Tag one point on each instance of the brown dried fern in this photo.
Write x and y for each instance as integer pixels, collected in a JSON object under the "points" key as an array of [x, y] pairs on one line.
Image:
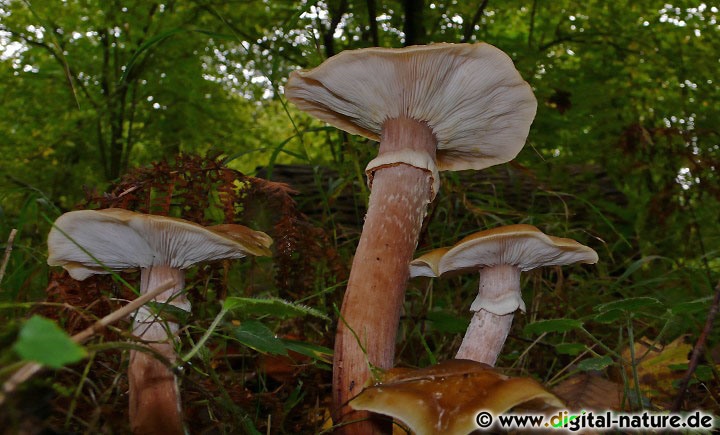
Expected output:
{"points": [[205, 191]]}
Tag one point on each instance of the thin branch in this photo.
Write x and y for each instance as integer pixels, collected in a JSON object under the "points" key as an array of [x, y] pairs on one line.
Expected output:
{"points": [[372, 14], [532, 23], [329, 36], [241, 34], [8, 250], [598, 38], [70, 76], [30, 368], [413, 23], [697, 351], [470, 27], [58, 50]]}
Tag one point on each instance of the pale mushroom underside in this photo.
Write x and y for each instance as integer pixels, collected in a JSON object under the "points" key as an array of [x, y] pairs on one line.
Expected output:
{"points": [[88, 242], [522, 246], [472, 97]]}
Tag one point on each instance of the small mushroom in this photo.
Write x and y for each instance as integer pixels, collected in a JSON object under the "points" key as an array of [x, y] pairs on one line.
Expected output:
{"points": [[446, 398], [500, 255], [437, 107], [89, 242]]}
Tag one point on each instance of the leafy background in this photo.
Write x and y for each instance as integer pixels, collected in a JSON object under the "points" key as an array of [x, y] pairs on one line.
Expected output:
{"points": [[181, 104]]}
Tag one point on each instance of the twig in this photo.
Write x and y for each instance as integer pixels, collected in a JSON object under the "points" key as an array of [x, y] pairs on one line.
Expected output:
{"points": [[8, 250], [116, 315], [470, 27], [30, 368], [697, 351]]}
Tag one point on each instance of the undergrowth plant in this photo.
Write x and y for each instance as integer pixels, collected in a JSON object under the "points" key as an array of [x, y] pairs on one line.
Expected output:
{"points": [[622, 157]]}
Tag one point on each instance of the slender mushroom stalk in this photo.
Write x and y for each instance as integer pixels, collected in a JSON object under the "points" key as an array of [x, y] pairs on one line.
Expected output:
{"points": [[500, 255], [89, 242], [439, 107], [154, 394], [488, 331], [399, 198]]}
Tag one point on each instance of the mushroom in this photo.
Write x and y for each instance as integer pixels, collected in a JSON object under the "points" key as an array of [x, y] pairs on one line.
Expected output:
{"points": [[500, 254], [89, 242], [446, 398], [437, 107]]}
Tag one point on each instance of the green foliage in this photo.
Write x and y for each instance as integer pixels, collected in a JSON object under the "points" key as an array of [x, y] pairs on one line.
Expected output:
{"points": [[270, 306], [554, 325], [41, 340], [623, 156], [598, 363], [259, 337]]}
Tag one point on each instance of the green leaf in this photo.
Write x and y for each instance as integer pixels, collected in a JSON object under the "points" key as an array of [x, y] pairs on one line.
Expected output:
{"points": [[271, 306], [598, 363], [157, 39], [294, 398], [310, 350], [552, 325], [678, 367], [443, 321], [610, 316], [629, 305], [169, 312], [704, 373], [637, 265], [691, 307], [259, 337], [570, 348], [43, 341]]}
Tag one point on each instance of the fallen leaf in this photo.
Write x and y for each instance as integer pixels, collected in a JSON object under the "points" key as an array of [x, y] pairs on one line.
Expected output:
{"points": [[588, 392]]}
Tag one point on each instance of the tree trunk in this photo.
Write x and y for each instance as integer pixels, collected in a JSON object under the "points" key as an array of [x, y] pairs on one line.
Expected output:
{"points": [[413, 26]]}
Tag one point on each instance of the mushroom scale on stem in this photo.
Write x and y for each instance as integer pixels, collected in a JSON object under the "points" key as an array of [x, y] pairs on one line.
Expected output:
{"points": [[437, 107], [88, 242]]}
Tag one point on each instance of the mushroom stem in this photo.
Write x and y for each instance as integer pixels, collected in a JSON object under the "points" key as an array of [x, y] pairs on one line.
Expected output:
{"points": [[376, 288], [498, 299], [485, 337], [154, 394]]}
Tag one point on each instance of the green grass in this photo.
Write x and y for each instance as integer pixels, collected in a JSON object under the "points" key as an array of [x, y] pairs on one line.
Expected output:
{"points": [[267, 368]]}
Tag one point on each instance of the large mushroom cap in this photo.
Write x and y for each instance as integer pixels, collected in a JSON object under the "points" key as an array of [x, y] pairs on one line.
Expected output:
{"points": [[471, 96], [522, 246], [446, 398], [88, 242]]}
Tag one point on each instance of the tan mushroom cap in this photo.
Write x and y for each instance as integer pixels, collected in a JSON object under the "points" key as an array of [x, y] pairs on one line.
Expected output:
{"points": [[427, 264], [471, 96], [522, 246], [446, 398], [88, 242]]}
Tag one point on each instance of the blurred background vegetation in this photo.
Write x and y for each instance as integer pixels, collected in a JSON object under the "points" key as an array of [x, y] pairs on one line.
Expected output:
{"points": [[624, 156]]}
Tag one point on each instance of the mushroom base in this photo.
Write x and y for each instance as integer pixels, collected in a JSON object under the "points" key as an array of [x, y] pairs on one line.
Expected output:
{"points": [[485, 337], [154, 394]]}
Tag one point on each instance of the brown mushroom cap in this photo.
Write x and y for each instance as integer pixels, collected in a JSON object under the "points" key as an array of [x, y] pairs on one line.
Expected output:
{"points": [[470, 95], [522, 246], [87, 242], [447, 397], [427, 264]]}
